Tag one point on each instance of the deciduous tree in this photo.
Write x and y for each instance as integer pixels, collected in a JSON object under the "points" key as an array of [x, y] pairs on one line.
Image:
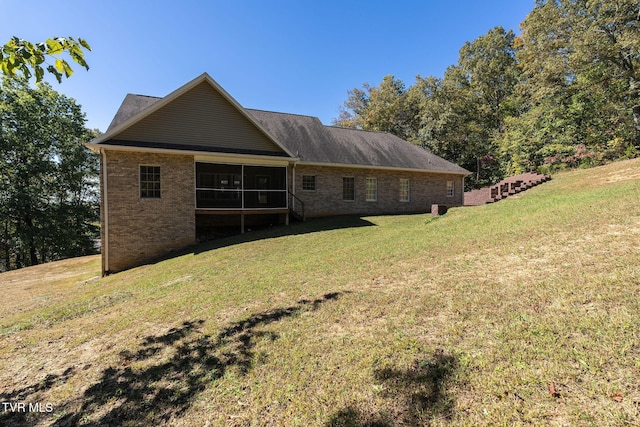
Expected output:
{"points": [[383, 108], [565, 92], [19, 56], [48, 178], [579, 95]]}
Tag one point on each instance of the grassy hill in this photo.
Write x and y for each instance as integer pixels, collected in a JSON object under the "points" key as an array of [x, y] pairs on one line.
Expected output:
{"points": [[524, 311]]}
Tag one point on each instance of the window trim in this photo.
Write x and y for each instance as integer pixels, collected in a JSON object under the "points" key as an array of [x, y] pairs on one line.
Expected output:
{"points": [[140, 189], [353, 188], [407, 198], [315, 183], [375, 189]]}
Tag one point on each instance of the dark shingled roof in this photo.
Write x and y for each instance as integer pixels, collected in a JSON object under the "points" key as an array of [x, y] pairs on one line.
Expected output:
{"points": [[131, 106], [312, 142]]}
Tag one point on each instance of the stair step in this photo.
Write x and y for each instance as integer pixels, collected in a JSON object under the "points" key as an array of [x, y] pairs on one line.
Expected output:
{"points": [[503, 189]]}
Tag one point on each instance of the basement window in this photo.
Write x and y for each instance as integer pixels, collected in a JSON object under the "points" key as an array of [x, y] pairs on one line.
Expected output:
{"points": [[149, 182]]}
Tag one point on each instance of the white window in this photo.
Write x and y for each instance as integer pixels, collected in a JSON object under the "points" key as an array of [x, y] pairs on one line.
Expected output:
{"points": [[405, 190], [372, 189], [308, 183], [150, 182], [451, 189]]}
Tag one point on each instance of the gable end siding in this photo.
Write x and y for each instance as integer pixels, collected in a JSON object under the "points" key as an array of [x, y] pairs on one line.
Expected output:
{"points": [[200, 117]]}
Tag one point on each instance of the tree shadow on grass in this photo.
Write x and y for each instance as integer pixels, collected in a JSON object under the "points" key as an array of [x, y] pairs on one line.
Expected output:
{"points": [[419, 394], [159, 381], [27, 395]]}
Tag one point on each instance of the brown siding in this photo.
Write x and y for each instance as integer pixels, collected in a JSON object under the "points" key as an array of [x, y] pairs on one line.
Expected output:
{"points": [[143, 229], [200, 117], [425, 189]]}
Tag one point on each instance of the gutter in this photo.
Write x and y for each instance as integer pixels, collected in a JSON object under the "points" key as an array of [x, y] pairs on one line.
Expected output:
{"points": [[389, 168], [240, 157]]}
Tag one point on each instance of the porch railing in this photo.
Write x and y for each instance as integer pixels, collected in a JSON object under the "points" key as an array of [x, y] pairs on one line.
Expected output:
{"points": [[207, 198], [296, 206]]}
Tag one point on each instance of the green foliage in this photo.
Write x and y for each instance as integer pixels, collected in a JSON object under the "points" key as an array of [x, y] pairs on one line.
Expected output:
{"points": [[384, 108], [48, 179], [579, 62], [20, 56], [454, 117], [564, 93]]}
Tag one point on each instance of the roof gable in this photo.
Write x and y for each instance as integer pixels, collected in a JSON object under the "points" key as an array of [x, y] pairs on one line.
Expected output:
{"points": [[200, 116]]}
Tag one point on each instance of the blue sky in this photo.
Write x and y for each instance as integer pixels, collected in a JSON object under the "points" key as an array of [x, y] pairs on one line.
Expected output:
{"points": [[291, 56]]}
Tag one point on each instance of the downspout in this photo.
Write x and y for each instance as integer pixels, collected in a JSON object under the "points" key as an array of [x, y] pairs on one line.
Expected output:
{"points": [[105, 214], [293, 187]]}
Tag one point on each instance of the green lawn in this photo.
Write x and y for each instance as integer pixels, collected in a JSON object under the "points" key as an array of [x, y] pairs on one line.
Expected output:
{"points": [[521, 312]]}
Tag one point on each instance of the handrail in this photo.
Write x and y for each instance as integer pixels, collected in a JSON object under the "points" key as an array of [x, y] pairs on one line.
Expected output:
{"points": [[294, 206]]}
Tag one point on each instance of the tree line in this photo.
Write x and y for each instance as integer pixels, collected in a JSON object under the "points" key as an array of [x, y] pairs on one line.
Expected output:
{"points": [[565, 92], [49, 201]]}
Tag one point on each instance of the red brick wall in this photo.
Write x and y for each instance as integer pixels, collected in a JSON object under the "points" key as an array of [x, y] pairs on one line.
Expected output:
{"points": [[425, 189], [139, 229]]}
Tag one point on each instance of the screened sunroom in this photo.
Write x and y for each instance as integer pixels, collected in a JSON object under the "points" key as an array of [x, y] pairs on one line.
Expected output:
{"points": [[221, 186], [231, 197]]}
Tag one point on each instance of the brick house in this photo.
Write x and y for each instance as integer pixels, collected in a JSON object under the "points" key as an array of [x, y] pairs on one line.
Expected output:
{"points": [[195, 164]]}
